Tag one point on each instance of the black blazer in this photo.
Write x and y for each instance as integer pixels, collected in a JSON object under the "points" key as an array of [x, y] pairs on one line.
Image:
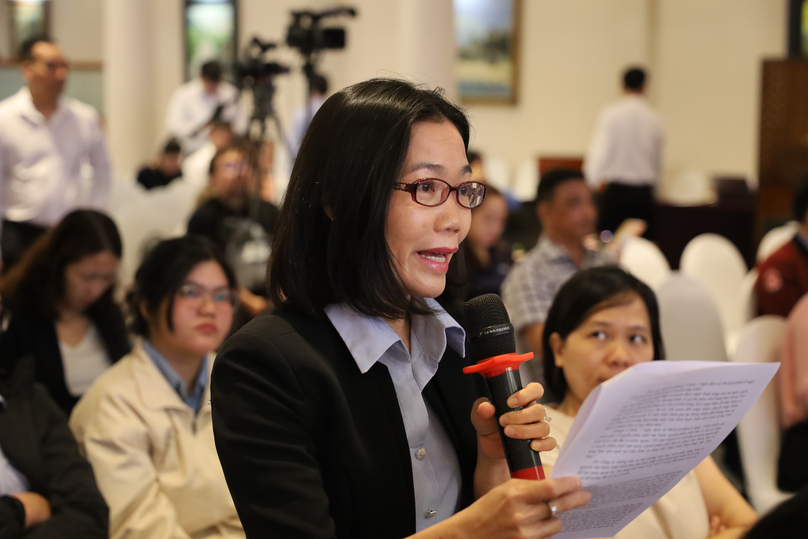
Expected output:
{"points": [[36, 440], [313, 448], [31, 334]]}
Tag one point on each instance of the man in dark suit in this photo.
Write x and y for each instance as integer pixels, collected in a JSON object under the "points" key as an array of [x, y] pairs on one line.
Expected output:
{"points": [[47, 489]]}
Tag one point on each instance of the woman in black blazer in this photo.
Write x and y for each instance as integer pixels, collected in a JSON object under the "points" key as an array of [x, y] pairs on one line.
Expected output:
{"points": [[61, 298], [344, 411]]}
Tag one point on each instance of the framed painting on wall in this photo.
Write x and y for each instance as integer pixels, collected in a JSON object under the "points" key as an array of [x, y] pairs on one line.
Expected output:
{"points": [[28, 19], [211, 33], [487, 35]]}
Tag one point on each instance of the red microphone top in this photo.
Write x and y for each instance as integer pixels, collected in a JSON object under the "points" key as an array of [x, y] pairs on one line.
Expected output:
{"points": [[497, 365]]}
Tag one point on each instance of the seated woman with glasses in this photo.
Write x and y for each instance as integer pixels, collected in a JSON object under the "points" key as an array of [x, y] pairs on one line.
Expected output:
{"points": [[488, 258], [344, 411], [603, 321], [145, 424], [65, 316], [239, 222]]}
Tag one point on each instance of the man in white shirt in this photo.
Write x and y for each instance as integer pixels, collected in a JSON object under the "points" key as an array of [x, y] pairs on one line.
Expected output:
{"points": [[196, 104], [624, 160], [48, 145]]}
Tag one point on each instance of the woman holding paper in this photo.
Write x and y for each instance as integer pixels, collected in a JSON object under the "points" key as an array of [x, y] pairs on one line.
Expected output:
{"points": [[603, 321], [344, 412]]}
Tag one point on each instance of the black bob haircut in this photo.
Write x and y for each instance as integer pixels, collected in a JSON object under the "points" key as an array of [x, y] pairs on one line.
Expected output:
{"points": [[800, 202], [634, 79], [211, 71], [27, 47], [352, 153], [163, 272], [586, 293], [552, 179]]}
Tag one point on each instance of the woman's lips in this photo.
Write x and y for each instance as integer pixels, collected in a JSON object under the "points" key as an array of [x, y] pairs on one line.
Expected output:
{"points": [[207, 329], [436, 260]]}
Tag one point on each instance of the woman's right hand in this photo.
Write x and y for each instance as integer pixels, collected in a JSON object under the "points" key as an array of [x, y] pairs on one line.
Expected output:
{"points": [[518, 509]]}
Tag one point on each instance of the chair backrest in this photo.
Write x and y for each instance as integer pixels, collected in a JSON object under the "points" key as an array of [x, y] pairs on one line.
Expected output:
{"points": [[759, 431], [688, 187], [497, 172], [690, 323], [644, 260], [153, 216], [715, 262], [525, 181], [748, 310], [776, 238]]}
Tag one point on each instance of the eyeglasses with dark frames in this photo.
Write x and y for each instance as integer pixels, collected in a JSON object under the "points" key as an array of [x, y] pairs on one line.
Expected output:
{"points": [[434, 192]]}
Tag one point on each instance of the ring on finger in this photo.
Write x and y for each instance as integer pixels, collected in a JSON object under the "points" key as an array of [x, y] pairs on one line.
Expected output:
{"points": [[553, 508]]}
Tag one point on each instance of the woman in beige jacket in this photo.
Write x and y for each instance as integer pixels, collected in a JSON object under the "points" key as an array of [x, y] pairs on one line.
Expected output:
{"points": [[145, 424]]}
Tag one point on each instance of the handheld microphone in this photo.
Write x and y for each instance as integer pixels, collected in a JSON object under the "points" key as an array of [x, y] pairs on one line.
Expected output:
{"points": [[491, 332]]}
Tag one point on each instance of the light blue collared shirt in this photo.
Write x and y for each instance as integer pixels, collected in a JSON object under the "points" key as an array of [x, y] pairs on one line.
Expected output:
{"points": [[193, 399], [11, 480], [435, 469]]}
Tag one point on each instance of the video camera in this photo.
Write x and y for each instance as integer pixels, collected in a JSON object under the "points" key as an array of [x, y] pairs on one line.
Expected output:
{"points": [[252, 69], [306, 35]]}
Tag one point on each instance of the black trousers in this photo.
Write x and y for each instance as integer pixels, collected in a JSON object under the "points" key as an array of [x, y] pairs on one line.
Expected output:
{"points": [[16, 239], [792, 468], [620, 202]]}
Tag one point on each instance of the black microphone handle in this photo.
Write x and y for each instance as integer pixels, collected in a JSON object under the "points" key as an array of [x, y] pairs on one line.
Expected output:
{"points": [[518, 453]]}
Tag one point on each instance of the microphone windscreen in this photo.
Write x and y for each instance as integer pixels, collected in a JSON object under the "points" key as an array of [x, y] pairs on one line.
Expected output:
{"points": [[489, 326]]}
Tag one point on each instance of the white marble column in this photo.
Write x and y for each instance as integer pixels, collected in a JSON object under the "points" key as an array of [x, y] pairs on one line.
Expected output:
{"points": [[426, 42], [127, 85]]}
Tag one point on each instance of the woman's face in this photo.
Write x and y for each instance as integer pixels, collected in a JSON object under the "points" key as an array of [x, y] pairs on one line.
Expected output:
{"points": [[607, 343], [202, 313], [88, 278], [488, 221], [423, 239]]}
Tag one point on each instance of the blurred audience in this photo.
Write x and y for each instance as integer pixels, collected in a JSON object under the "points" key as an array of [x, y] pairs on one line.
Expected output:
{"points": [[145, 424], [783, 277], [164, 169], [239, 222], [487, 257], [266, 162], [201, 102], [624, 159], [793, 382], [46, 488], [603, 321], [196, 167], [567, 213], [65, 315], [46, 141], [301, 118]]}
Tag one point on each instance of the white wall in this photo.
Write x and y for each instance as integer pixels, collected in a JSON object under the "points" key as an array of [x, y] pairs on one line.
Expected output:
{"points": [[572, 53], [707, 80], [704, 59], [77, 26]]}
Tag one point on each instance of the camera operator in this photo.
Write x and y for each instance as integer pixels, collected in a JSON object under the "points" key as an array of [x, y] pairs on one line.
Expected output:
{"points": [[198, 103], [239, 222]]}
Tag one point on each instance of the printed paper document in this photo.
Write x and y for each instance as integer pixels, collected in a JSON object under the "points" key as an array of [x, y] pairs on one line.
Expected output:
{"points": [[638, 434]]}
